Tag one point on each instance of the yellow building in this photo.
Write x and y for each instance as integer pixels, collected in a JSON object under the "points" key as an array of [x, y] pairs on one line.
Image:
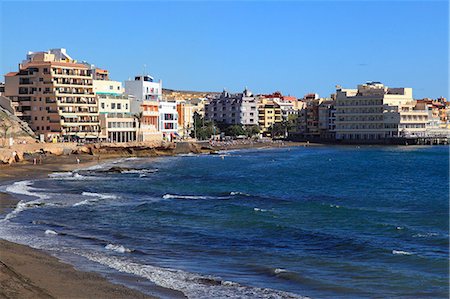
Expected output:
{"points": [[269, 113], [55, 95]]}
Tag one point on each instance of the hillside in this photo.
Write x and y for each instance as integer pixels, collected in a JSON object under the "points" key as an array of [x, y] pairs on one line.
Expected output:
{"points": [[172, 94]]}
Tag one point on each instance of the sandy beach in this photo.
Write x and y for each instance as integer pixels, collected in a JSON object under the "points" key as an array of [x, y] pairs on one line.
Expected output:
{"points": [[30, 273]]}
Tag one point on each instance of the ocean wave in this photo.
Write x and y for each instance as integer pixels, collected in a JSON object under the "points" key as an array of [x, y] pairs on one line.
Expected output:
{"points": [[118, 248], [60, 174], [139, 171], [84, 202], [259, 210], [100, 195], [237, 193], [51, 232], [24, 188], [191, 284], [401, 252], [425, 235], [279, 270], [71, 176], [193, 197]]}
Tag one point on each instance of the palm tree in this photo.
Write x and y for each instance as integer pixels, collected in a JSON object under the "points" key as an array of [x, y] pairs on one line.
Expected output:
{"points": [[138, 118]]}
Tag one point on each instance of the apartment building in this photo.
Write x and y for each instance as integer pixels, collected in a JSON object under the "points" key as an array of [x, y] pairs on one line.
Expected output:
{"points": [[327, 119], [145, 95], [54, 95], [230, 109], [376, 112], [308, 116], [168, 120], [269, 113], [117, 124], [186, 110]]}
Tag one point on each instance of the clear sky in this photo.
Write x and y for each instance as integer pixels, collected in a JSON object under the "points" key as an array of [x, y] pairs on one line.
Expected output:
{"points": [[295, 47]]}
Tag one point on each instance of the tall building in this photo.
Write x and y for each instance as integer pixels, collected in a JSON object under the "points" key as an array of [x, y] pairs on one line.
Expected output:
{"points": [[327, 119], [168, 120], [116, 121], [240, 108], [376, 112], [145, 96], [269, 113], [54, 94]]}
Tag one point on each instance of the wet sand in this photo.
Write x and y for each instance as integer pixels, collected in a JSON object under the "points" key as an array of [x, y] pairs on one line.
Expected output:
{"points": [[30, 273]]}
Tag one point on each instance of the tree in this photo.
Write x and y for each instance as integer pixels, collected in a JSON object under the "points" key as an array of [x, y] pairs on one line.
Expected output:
{"points": [[235, 130], [138, 118], [251, 131], [203, 129]]}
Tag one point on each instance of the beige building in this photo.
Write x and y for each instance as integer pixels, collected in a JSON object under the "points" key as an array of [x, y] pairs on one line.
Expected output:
{"points": [[376, 112], [116, 121], [55, 95]]}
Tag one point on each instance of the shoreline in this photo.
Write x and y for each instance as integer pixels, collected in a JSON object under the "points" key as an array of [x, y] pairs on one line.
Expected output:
{"points": [[21, 266]]}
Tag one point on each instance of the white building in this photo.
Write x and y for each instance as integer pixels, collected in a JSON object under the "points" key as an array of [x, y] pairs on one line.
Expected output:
{"points": [[376, 112], [116, 121], [168, 119], [143, 88]]}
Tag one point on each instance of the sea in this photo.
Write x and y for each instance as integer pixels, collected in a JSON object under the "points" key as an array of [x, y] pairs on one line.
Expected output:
{"points": [[294, 222]]}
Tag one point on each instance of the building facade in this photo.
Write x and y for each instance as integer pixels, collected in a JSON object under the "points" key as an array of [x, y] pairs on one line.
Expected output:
{"points": [[233, 109], [168, 120], [269, 113], [375, 112], [54, 95]]}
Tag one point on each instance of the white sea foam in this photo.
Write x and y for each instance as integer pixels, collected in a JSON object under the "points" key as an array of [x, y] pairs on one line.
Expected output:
{"points": [[139, 171], [279, 270], [24, 188], [60, 174], [334, 206], [401, 252], [84, 202], [192, 197], [99, 195], [191, 284], [234, 193], [50, 232], [117, 248], [259, 210], [425, 235]]}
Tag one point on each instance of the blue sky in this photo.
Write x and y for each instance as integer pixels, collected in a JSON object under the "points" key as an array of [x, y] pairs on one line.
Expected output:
{"points": [[296, 47]]}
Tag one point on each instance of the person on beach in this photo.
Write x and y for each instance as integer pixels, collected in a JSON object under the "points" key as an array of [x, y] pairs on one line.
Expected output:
{"points": [[78, 160]]}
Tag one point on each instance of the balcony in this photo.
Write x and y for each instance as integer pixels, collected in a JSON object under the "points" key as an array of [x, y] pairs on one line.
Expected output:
{"points": [[150, 113]]}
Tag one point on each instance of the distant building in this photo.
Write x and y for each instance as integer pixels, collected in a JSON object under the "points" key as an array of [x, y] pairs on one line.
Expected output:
{"points": [[168, 120], [308, 116], [376, 112], [327, 119], [54, 95], [233, 109], [145, 96], [269, 113], [116, 121]]}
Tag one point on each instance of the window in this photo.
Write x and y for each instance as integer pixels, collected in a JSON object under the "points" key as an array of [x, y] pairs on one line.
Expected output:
{"points": [[119, 106], [41, 79], [102, 105], [111, 87], [113, 105], [35, 118]]}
